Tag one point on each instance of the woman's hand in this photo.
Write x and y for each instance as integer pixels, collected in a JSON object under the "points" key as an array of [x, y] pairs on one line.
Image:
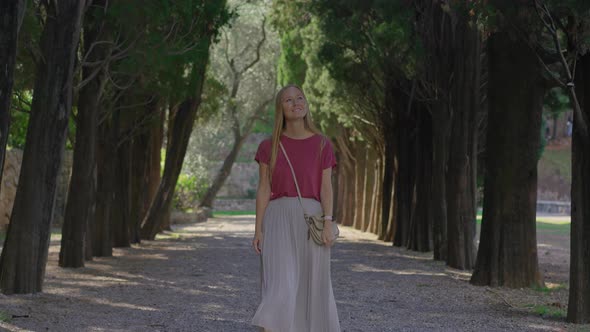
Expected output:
{"points": [[257, 242], [328, 233]]}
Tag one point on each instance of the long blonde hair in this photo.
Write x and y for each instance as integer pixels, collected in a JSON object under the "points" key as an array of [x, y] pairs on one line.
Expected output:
{"points": [[280, 124]]}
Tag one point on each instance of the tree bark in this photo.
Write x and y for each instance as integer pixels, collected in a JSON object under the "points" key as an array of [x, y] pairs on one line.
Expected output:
{"points": [[145, 169], [440, 143], [461, 170], [176, 150], [120, 213], [368, 187], [22, 265], [404, 173], [102, 245], [10, 19], [579, 290], [375, 225], [359, 183], [508, 246], [420, 230], [387, 187], [80, 208], [345, 173]]}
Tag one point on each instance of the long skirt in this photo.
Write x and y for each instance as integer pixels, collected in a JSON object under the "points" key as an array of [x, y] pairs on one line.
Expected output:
{"points": [[295, 275]]}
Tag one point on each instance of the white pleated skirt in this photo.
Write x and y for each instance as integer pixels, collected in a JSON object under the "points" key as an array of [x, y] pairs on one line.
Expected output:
{"points": [[296, 286]]}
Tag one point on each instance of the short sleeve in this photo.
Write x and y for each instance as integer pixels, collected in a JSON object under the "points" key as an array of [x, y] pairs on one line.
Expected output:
{"points": [[328, 157], [263, 153]]}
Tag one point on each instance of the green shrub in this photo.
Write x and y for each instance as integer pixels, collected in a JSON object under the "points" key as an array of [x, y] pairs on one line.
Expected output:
{"points": [[189, 191]]}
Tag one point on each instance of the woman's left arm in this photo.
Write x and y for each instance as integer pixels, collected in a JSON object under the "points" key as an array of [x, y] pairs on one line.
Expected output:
{"points": [[327, 201]]}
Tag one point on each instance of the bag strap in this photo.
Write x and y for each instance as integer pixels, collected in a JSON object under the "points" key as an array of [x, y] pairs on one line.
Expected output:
{"points": [[294, 177]]}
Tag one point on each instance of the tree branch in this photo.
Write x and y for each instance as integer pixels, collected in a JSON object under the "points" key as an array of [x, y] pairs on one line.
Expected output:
{"points": [[258, 47], [547, 20]]}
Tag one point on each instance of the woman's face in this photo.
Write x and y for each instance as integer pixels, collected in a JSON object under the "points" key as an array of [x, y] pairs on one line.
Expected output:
{"points": [[294, 104]]}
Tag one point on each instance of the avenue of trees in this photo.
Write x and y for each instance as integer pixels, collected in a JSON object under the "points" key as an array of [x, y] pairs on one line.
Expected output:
{"points": [[110, 76], [422, 99]]}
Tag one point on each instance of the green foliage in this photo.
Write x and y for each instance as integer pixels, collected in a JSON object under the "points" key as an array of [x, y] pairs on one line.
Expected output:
{"points": [[189, 190], [550, 311], [169, 38], [19, 122], [213, 93], [265, 127], [5, 317], [347, 47], [557, 101], [291, 66], [543, 140]]}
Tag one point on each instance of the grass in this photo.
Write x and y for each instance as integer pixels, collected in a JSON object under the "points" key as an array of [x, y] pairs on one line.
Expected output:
{"points": [[550, 311], [559, 159], [231, 213], [560, 225], [5, 317]]}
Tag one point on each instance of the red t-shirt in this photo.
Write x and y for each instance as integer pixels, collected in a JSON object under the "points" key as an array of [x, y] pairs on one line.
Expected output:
{"points": [[308, 160]]}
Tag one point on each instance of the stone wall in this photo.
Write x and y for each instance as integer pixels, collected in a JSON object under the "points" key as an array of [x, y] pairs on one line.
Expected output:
{"points": [[10, 181], [237, 204], [239, 191], [242, 181]]}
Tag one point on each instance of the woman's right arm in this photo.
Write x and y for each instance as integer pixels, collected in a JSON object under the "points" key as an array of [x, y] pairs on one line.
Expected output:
{"points": [[262, 199]]}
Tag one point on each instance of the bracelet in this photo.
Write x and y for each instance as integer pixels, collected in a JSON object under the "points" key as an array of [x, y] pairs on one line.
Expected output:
{"points": [[328, 218]]}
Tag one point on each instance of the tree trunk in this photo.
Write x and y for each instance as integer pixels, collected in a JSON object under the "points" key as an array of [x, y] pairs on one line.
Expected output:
{"points": [[167, 220], [89, 236], [145, 169], [375, 225], [508, 246], [359, 183], [224, 172], [344, 172], [154, 172], [80, 208], [579, 292], [22, 265], [101, 241], [175, 152], [440, 143], [368, 187], [404, 177], [120, 213], [460, 194], [387, 187], [10, 19], [390, 234], [420, 237]]}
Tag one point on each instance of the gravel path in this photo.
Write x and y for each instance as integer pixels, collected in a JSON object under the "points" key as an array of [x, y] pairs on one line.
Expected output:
{"points": [[204, 277]]}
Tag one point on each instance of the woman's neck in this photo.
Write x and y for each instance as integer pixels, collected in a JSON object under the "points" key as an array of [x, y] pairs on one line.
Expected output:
{"points": [[296, 129]]}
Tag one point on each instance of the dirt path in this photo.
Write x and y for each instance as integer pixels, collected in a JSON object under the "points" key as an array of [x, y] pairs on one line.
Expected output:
{"points": [[204, 277]]}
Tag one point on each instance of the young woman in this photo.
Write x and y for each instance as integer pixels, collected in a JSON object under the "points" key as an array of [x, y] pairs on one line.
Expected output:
{"points": [[295, 275]]}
